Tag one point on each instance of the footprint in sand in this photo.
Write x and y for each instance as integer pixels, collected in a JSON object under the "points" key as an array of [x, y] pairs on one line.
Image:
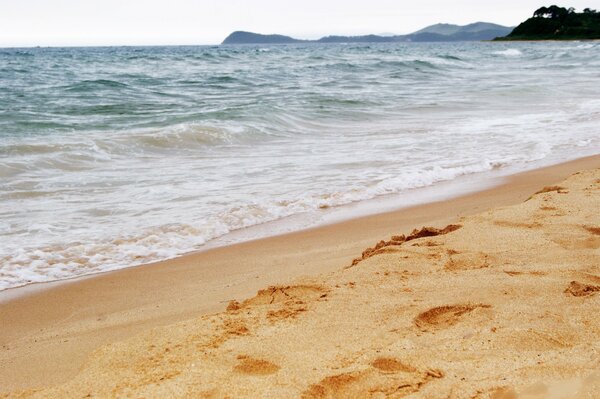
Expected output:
{"points": [[444, 316], [580, 289], [386, 377], [575, 241], [391, 365], [281, 294], [255, 367], [282, 302], [466, 261]]}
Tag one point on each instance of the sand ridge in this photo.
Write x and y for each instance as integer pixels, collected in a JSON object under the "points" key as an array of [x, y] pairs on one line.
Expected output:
{"points": [[504, 306]]}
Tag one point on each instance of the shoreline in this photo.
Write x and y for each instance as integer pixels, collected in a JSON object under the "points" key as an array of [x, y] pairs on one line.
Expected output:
{"points": [[51, 332], [436, 192]]}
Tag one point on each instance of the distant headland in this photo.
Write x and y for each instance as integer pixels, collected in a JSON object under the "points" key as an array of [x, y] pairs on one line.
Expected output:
{"points": [[435, 33], [558, 23]]}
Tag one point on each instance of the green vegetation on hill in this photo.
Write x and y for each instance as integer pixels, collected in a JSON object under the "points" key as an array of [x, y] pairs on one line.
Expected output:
{"points": [[558, 23]]}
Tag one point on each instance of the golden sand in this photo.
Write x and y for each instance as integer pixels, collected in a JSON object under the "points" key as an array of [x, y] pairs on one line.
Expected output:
{"points": [[503, 304]]}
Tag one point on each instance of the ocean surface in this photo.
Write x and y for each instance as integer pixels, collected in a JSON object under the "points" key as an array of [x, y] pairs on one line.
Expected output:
{"points": [[116, 156]]}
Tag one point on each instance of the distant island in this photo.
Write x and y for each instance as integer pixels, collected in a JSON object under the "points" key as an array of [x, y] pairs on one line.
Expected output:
{"points": [[435, 33], [558, 23]]}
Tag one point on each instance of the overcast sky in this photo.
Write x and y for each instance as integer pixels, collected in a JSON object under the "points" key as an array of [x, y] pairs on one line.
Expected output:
{"points": [[146, 22]]}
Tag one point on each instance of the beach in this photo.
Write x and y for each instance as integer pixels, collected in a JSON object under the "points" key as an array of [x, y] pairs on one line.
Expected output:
{"points": [[502, 302], [322, 211]]}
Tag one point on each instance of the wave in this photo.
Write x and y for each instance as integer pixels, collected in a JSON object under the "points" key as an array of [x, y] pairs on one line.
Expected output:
{"points": [[586, 46], [450, 57], [92, 85], [18, 70], [343, 102], [39, 125], [408, 64], [222, 79], [511, 52], [72, 151], [184, 136], [21, 53]]}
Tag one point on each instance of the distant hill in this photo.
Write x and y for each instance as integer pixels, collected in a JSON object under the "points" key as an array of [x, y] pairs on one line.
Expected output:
{"points": [[453, 33], [440, 29], [357, 39], [434, 33], [241, 37], [558, 23], [449, 29]]}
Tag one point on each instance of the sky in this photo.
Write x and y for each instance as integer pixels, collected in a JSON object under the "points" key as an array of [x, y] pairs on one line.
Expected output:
{"points": [[160, 22]]}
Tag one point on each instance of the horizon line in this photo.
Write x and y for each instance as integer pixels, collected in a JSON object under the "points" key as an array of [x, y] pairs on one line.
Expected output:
{"points": [[316, 37]]}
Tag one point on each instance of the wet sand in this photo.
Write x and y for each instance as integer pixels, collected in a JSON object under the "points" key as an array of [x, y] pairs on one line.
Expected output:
{"points": [[48, 335]]}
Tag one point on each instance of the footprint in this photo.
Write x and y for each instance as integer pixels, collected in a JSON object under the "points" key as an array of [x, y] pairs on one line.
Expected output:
{"points": [[333, 386], [256, 367], [391, 365], [574, 241], [466, 261], [387, 377], [580, 289], [444, 316], [281, 302], [280, 294]]}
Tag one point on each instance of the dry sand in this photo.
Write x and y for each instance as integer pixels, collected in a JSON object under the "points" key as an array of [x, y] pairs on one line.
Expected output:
{"points": [[505, 304]]}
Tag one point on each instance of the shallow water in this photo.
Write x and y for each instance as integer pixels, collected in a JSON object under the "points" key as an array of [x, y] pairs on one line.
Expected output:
{"points": [[117, 156]]}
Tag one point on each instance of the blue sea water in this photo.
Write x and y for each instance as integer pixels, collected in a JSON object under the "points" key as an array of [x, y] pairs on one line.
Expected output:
{"points": [[116, 156]]}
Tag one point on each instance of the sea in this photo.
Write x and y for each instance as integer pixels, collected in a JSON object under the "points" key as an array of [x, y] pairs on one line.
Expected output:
{"points": [[117, 156]]}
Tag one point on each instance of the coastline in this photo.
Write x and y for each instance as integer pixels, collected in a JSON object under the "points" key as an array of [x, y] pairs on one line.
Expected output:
{"points": [[437, 192], [62, 324]]}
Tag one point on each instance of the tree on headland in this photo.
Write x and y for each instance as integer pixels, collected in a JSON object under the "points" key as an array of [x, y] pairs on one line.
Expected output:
{"points": [[558, 23], [553, 12]]}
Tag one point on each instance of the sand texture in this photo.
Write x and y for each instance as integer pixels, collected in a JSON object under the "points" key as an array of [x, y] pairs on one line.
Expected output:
{"points": [[504, 304]]}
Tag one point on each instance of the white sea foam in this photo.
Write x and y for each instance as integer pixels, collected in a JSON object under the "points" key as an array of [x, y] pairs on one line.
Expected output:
{"points": [[511, 52], [585, 46]]}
